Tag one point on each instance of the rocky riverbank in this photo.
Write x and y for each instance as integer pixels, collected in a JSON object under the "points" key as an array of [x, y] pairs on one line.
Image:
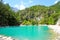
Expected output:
{"points": [[6, 38], [56, 29]]}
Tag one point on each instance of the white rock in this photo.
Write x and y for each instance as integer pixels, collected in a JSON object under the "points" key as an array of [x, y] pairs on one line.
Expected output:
{"points": [[5, 38]]}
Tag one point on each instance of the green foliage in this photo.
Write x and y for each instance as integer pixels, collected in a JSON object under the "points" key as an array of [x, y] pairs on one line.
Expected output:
{"points": [[49, 15], [51, 20], [7, 17], [34, 15], [26, 22]]}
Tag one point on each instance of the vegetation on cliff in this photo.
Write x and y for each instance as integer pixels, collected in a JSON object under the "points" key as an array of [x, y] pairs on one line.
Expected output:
{"points": [[37, 14]]}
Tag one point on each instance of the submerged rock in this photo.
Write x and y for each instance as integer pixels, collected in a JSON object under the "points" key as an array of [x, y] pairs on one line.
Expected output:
{"points": [[6, 38]]}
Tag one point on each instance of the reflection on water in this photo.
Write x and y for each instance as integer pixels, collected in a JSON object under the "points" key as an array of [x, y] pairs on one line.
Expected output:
{"points": [[27, 32]]}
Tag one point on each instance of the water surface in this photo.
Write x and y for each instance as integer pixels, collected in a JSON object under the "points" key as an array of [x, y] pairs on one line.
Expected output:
{"points": [[27, 32]]}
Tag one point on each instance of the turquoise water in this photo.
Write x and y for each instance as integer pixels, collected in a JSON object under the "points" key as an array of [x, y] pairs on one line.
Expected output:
{"points": [[27, 32]]}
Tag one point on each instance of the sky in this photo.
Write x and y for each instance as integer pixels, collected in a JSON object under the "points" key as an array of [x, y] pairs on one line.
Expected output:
{"points": [[22, 4]]}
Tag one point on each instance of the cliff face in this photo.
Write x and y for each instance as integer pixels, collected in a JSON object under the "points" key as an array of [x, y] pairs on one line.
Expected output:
{"points": [[38, 11], [37, 14], [58, 22]]}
